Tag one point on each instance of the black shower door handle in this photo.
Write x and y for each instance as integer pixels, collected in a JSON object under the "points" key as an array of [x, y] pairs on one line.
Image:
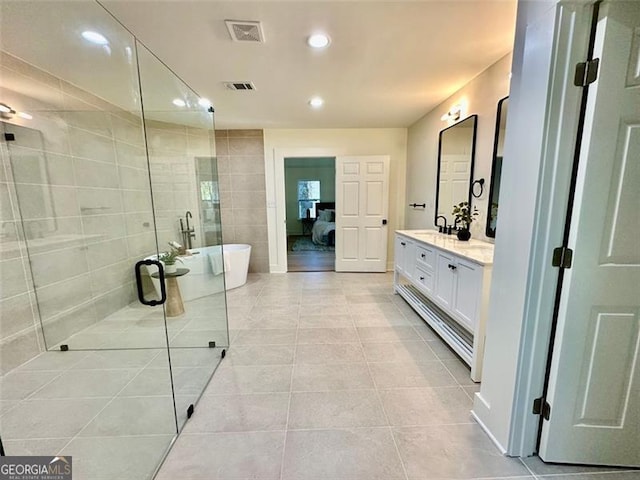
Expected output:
{"points": [[163, 291]]}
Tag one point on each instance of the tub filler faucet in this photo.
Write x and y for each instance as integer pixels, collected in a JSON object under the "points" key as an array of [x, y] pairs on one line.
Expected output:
{"points": [[189, 233]]}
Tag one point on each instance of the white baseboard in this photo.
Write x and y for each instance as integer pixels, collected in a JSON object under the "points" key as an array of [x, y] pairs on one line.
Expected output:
{"points": [[495, 441]]}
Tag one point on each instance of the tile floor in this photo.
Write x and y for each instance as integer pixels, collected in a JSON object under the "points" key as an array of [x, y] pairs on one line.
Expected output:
{"points": [[111, 395], [332, 377]]}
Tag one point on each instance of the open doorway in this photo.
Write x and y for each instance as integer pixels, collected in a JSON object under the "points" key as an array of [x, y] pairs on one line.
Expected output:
{"points": [[310, 188]]}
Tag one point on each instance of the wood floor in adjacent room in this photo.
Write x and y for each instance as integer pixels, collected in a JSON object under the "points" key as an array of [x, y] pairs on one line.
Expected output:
{"points": [[309, 261]]}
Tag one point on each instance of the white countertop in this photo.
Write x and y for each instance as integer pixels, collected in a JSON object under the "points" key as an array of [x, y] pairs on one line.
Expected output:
{"points": [[475, 250]]}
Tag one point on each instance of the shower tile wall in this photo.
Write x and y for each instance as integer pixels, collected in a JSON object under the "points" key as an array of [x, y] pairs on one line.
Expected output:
{"points": [[243, 197], [96, 220], [172, 150]]}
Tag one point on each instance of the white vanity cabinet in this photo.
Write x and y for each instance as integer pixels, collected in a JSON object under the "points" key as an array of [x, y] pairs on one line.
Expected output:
{"points": [[447, 283]]}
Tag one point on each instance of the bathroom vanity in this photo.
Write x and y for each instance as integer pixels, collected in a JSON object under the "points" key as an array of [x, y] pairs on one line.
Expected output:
{"points": [[447, 282]]}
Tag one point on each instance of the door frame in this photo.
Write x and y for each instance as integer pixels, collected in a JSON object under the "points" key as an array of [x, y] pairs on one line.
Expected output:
{"points": [[562, 122], [277, 207]]}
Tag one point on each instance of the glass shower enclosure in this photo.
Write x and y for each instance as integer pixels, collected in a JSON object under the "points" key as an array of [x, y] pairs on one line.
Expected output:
{"points": [[108, 164]]}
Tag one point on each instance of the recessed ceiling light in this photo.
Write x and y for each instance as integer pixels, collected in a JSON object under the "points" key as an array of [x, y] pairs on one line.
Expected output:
{"points": [[316, 102], [318, 40], [204, 102], [178, 102], [95, 37]]}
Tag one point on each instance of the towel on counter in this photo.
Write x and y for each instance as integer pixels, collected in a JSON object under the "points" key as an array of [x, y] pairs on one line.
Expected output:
{"points": [[219, 262]]}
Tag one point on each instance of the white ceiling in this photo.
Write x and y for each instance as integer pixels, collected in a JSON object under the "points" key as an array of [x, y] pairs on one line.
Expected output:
{"points": [[389, 63]]}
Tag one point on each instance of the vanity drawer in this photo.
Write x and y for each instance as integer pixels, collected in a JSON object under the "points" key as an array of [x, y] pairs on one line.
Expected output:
{"points": [[423, 279], [425, 257]]}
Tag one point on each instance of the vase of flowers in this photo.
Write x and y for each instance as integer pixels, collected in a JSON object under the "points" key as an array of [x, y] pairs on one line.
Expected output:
{"points": [[169, 260], [464, 215]]}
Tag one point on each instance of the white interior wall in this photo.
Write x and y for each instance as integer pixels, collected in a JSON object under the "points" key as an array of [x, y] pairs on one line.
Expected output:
{"points": [[526, 123], [480, 97], [281, 143]]}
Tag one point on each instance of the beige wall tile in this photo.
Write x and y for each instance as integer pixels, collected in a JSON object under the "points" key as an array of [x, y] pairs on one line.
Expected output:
{"points": [[248, 199], [131, 155], [88, 145], [16, 315], [18, 350], [250, 216], [55, 266], [106, 253], [60, 297], [246, 146], [98, 201], [13, 279], [247, 164], [249, 183], [245, 133], [95, 174]]}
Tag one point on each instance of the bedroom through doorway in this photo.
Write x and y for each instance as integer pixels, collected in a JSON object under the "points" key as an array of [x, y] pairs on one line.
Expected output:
{"points": [[310, 189]]}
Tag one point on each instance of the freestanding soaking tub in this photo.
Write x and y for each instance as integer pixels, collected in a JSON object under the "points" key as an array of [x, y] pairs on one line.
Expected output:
{"points": [[206, 265]]}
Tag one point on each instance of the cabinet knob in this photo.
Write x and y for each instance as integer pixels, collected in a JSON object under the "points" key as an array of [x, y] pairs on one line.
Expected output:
{"points": [[403, 244], [422, 255], [452, 267], [421, 278]]}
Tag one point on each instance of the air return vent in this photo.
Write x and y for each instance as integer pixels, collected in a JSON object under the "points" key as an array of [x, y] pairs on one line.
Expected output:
{"points": [[239, 85], [245, 31]]}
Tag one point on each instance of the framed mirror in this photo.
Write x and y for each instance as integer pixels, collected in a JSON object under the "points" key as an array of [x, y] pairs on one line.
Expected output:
{"points": [[496, 167], [456, 154]]}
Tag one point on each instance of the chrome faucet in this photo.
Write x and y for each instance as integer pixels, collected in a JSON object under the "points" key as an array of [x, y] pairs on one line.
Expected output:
{"points": [[189, 233], [441, 229]]}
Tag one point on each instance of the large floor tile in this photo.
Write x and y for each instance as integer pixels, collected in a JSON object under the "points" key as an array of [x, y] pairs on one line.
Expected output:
{"points": [[460, 370], [133, 416], [225, 456], [308, 320], [275, 336], [317, 378], [250, 379], [353, 454], [20, 384], [345, 408], [330, 353], [34, 446], [122, 458], [453, 452], [50, 418], [87, 383], [55, 360], [396, 375], [427, 406], [111, 359], [403, 352], [259, 355], [387, 334], [239, 413], [327, 335], [276, 321]]}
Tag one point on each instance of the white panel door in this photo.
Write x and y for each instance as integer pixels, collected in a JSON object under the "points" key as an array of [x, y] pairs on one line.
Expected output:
{"points": [[594, 386], [362, 204]]}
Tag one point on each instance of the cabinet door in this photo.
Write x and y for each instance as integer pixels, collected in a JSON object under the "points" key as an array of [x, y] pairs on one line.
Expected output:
{"points": [[466, 297], [409, 259], [445, 279], [399, 253]]}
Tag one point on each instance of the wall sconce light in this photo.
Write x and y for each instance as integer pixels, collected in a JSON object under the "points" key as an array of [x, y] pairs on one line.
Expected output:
{"points": [[453, 114], [7, 112]]}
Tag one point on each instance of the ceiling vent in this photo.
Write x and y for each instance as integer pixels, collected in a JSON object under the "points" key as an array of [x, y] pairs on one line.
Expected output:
{"points": [[245, 31], [240, 85]]}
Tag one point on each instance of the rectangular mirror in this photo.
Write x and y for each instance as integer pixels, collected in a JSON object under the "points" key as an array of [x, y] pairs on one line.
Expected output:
{"points": [[456, 152], [496, 167]]}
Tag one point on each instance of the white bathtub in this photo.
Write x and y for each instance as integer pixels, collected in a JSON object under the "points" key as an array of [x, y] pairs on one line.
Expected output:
{"points": [[206, 265]]}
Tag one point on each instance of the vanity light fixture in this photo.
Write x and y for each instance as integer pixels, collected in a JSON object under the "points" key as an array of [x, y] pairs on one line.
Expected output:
{"points": [[178, 102], [4, 108], [318, 40], [25, 115], [316, 102], [453, 114], [95, 37]]}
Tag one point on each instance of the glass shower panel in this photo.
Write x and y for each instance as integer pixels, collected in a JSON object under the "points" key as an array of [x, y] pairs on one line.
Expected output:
{"points": [[179, 128], [90, 374]]}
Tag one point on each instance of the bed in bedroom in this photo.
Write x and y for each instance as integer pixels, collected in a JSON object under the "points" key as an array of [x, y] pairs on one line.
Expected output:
{"points": [[324, 227]]}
